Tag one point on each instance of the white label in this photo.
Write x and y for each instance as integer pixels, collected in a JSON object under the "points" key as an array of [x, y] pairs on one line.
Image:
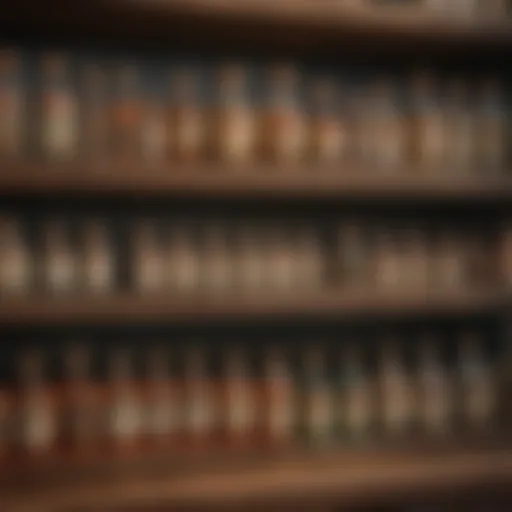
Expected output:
{"points": [[60, 126]]}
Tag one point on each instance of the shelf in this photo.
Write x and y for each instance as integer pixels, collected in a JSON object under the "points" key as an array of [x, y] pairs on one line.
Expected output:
{"points": [[295, 478], [133, 309], [258, 182]]}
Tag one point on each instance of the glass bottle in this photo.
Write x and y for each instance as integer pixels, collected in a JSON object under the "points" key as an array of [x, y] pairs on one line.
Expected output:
{"points": [[183, 261], [59, 113], [388, 267], [448, 266], [415, 264], [16, 271], [505, 254], [285, 129], [216, 260], [235, 137], [250, 258], [353, 252], [187, 129], [280, 257], [154, 136], [309, 260], [12, 105], [98, 258]]}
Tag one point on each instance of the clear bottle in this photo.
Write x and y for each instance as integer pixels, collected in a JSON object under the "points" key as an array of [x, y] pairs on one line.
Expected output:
{"points": [[16, 270], [280, 399], [353, 255], [59, 259], [234, 140], [240, 410], [435, 392], [309, 260], [478, 388], [126, 115], [124, 418], [38, 427], [148, 261], [388, 135], [161, 407], [59, 110], [187, 127], [356, 408], [183, 260], [94, 136], [12, 105], [200, 416], [318, 398], [397, 406], [216, 258], [284, 132], [99, 270], [428, 130], [491, 127], [328, 132], [82, 413], [460, 127]]}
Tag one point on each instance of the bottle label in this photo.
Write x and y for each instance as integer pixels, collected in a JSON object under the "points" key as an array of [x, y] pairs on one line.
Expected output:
{"points": [[59, 133]]}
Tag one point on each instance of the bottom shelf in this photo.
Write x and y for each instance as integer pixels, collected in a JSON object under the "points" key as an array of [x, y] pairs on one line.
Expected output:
{"points": [[242, 480]]}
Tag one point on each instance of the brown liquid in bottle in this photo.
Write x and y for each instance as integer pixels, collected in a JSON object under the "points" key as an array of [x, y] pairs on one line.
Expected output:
{"points": [[12, 105], [148, 262], [59, 112], [15, 264], [94, 113], [37, 422], [328, 133], [234, 136], [284, 130], [98, 262], [186, 120], [82, 413], [126, 115], [60, 259]]}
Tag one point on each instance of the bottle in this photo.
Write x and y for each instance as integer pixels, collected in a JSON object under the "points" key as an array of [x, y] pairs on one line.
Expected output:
{"points": [[126, 115], [216, 264], [309, 260], [491, 129], [448, 266], [183, 262], [124, 415], [356, 407], [318, 399], [98, 259], [280, 261], [388, 135], [94, 136], [240, 412], [12, 105], [234, 139], [16, 271], [161, 411], [428, 130], [250, 267], [81, 418], [477, 386], [37, 429], [505, 254], [284, 129], [395, 390], [59, 114], [388, 267], [415, 263], [505, 378], [200, 417], [186, 129], [328, 133], [353, 262], [280, 399], [7, 413], [435, 400], [148, 261], [154, 136], [59, 259], [460, 127]]}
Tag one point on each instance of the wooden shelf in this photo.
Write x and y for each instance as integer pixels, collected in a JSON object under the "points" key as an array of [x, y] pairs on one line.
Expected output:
{"points": [[133, 309], [216, 180], [340, 477]]}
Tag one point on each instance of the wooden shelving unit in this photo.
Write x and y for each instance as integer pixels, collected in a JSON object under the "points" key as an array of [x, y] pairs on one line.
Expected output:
{"points": [[260, 181]]}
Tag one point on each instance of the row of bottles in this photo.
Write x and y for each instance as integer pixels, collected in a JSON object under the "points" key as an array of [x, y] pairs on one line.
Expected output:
{"points": [[180, 257], [60, 108], [317, 392]]}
